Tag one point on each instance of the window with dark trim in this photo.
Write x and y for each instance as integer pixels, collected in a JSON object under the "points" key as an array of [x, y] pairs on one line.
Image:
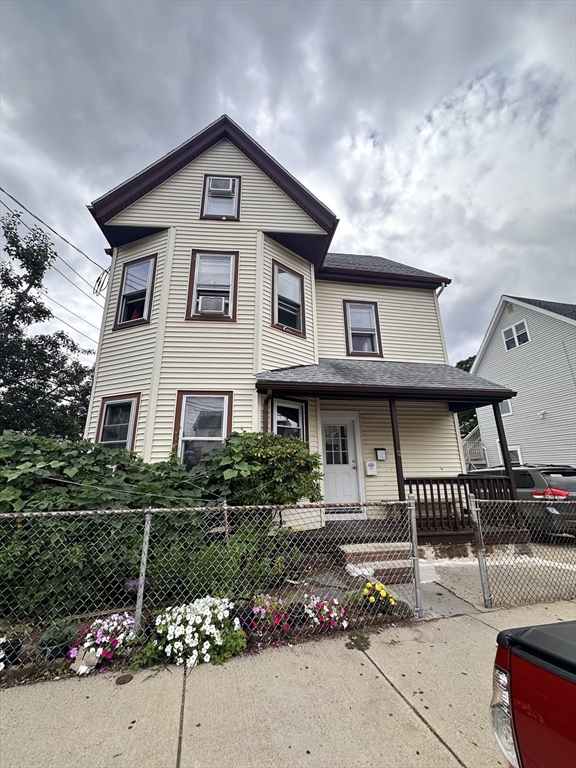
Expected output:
{"points": [[136, 286], [221, 198], [289, 418], [362, 328], [203, 420], [213, 286], [288, 300], [117, 421], [516, 335]]}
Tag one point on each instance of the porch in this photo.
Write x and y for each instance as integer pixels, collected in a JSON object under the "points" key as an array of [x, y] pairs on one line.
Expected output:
{"points": [[386, 430]]}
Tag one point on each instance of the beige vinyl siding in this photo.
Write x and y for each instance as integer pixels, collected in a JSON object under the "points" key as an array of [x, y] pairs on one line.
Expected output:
{"points": [[177, 201], [281, 349], [542, 372], [409, 322], [126, 355], [205, 355], [428, 440]]}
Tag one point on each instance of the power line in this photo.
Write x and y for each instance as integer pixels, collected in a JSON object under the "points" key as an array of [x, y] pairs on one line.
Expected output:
{"points": [[69, 310], [51, 229], [65, 262], [75, 329]]}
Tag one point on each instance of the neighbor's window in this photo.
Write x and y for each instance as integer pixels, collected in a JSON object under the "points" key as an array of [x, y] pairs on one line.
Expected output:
{"points": [[203, 424], [505, 407], [289, 418], [221, 198], [514, 453], [212, 286], [362, 328], [516, 335], [136, 292], [288, 293], [117, 421]]}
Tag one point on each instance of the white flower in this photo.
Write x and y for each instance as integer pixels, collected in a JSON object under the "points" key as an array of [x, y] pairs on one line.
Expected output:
{"points": [[206, 657]]}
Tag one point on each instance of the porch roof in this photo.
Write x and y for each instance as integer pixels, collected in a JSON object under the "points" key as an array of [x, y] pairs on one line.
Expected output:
{"points": [[382, 380]]}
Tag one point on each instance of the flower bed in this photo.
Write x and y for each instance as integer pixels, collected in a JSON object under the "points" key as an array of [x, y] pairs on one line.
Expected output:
{"points": [[105, 637]]}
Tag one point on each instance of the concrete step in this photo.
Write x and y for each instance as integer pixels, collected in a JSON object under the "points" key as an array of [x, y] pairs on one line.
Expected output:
{"points": [[386, 571], [362, 553]]}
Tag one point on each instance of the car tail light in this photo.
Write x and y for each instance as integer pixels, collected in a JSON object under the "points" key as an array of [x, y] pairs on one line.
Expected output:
{"points": [[550, 493], [500, 715]]}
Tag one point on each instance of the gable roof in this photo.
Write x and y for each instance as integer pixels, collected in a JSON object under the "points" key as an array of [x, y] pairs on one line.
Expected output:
{"points": [[384, 379], [116, 200], [565, 312], [351, 267]]}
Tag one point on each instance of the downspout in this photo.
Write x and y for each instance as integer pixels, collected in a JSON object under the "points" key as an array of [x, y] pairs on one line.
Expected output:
{"points": [[441, 289], [265, 415]]}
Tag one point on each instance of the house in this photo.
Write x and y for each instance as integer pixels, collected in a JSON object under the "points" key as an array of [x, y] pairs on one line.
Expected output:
{"points": [[225, 312], [531, 346]]}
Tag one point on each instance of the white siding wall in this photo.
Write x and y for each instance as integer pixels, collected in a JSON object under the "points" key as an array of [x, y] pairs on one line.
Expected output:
{"points": [[542, 372], [199, 355], [126, 356], [409, 321], [281, 349], [428, 438]]}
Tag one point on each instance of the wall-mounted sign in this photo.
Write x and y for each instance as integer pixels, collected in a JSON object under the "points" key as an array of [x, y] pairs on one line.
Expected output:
{"points": [[380, 454]]}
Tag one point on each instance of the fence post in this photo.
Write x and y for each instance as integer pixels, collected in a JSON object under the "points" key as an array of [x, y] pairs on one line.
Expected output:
{"points": [[480, 553], [142, 577], [415, 560], [225, 519]]}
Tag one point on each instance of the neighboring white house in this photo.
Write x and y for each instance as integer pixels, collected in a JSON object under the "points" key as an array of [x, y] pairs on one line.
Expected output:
{"points": [[531, 347], [225, 312]]}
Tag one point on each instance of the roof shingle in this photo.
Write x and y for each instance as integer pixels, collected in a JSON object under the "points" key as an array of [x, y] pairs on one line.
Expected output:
{"points": [[566, 310], [366, 263]]}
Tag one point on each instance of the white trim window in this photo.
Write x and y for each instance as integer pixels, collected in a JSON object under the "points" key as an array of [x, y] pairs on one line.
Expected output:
{"points": [[513, 451], [118, 421], [288, 288], [362, 328], [516, 335], [136, 291], [213, 283], [221, 197], [289, 419], [203, 426], [506, 407]]}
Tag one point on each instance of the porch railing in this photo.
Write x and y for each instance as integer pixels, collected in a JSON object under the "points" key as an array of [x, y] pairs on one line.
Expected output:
{"points": [[442, 503], [474, 452]]}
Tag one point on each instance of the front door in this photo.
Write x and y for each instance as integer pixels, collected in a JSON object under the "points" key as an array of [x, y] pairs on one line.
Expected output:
{"points": [[341, 474]]}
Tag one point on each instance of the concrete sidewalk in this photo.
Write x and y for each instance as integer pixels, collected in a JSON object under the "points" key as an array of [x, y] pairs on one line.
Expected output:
{"points": [[419, 696]]}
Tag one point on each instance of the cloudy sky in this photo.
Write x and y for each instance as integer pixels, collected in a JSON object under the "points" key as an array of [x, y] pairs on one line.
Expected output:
{"points": [[441, 133]]}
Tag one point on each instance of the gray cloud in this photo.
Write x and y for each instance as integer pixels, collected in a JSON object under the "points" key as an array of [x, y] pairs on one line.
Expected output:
{"points": [[441, 133]]}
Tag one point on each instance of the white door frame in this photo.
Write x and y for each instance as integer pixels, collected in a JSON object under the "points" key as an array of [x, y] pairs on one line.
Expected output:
{"points": [[335, 417]]}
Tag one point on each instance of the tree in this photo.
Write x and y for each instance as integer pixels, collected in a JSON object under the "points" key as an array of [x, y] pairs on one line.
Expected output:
{"points": [[468, 419], [44, 387]]}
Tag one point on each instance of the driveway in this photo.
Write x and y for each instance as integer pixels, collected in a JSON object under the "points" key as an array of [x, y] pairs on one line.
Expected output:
{"points": [[418, 696]]}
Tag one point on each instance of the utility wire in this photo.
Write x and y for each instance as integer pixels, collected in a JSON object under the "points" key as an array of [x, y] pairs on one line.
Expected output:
{"points": [[69, 310], [65, 262], [77, 286], [75, 329], [51, 229]]}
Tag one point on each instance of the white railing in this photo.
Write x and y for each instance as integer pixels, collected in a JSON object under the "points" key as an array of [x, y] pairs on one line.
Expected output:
{"points": [[474, 452]]}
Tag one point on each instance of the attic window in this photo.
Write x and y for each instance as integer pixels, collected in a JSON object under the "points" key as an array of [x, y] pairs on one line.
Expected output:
{"points": [[516, 335], [221, 198]]}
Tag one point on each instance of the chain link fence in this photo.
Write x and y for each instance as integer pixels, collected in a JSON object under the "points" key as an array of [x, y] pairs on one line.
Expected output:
{"points": [[526, 550], [64, 569]]}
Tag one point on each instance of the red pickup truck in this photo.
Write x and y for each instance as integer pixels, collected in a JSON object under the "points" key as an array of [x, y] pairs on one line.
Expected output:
{"points": [[533, 705]]}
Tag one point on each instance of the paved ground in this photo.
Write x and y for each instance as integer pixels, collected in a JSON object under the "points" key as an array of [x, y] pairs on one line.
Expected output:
{"points": [[417, 697]]}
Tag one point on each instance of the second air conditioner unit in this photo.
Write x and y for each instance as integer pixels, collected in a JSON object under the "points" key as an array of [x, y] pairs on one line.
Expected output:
{"points": [[212, 305]]}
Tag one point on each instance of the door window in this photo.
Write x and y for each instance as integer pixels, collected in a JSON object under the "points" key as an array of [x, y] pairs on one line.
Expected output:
{"points": [[336, 444]]}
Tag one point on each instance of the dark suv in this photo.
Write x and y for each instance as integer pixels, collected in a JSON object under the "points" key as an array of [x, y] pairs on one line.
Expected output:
{"points": [[554, 485]]}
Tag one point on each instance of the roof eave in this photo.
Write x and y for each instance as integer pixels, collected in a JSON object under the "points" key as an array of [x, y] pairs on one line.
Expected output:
{"points": [[335, 274], [458, 399]]}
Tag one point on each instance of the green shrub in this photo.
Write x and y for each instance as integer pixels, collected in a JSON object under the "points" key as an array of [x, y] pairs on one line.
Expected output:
{"points": [[253, 468]]}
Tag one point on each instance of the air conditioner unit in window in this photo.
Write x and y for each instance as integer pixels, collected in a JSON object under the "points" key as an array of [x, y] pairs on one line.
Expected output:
{"points": [[212, 305], [221, 186]]}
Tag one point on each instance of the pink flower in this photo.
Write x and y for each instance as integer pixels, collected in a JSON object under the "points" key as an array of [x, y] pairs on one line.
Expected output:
{"points": [[277, 618], [332, 623], [73, 652], [114, 643], [286, 628], [254, 624]]}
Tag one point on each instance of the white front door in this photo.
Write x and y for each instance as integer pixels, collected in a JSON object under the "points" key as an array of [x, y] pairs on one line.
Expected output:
{"points": [[341, 473]]}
